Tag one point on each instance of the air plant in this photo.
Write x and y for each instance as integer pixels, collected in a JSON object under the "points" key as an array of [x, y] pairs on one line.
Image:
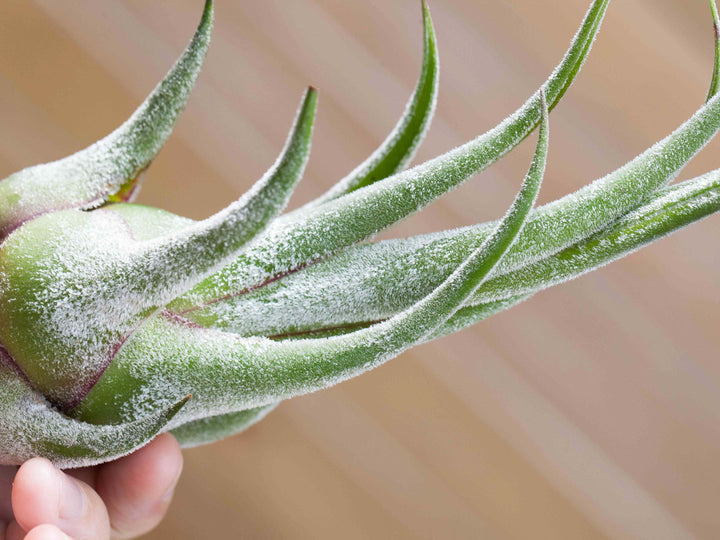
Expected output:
{"points": [[120, 321]]}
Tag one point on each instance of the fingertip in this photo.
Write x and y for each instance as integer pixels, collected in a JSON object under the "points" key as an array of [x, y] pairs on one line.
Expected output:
{"points": [[36, 493], [166, 445], [137, 488], [46, 532], [43, 496]]}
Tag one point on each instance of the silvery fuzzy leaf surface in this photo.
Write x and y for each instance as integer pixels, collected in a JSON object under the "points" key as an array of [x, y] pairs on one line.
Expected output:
{"points": [[31, 426], [390, 275], [111, 313], [110, 168], [229, 373]]}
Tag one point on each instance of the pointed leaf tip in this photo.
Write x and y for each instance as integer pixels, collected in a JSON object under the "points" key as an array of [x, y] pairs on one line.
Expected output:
{"points": [[174, 409], [169, 265], [399, 147], [427, 21], [715, 80], [286, 248], [90, 177]]}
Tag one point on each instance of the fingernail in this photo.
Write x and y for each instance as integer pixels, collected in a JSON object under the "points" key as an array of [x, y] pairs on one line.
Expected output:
{"points": [[53, 533], [73, 500]]}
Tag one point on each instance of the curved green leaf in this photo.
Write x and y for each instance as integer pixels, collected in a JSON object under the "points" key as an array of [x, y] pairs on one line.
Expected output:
{"points": [[168, 265], [387, 277], [227, 373], [715, 81], [464, 317], [211, 429], [30, 427], [400, 146], [112, 165], [297, 240]]}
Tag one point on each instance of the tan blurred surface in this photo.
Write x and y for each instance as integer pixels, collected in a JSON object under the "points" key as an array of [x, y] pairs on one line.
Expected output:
{"points": [[591, 411]]}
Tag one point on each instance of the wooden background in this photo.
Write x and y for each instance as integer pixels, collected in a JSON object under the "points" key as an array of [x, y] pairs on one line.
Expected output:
{"points": [[591, 411]]}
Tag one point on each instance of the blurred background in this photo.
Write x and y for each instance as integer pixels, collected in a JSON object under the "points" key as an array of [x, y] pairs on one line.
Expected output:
{"points": [[590, 411]]}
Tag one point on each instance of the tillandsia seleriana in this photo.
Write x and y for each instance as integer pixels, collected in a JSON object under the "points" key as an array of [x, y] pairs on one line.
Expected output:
{"points": [[120, 321]]}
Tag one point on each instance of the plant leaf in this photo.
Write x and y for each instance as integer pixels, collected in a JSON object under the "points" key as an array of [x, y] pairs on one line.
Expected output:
{"points": [[292, 242], [387, 277], [400, 146], [93, 284], [464, 317], [168, 265], [112, 165], [227, 373], [672, 209], [550, 229], [715, 81], [30, 427], [214, 428]]}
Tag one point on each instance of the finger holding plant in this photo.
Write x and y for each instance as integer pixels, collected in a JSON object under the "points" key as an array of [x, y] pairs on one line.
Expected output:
{"points": [[122, 499], [120, 321]]}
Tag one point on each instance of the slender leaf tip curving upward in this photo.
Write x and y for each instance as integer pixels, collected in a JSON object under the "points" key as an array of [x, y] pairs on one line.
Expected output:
{"points": [[400, 146], [110, 168], [299, 239], [715, 80]]}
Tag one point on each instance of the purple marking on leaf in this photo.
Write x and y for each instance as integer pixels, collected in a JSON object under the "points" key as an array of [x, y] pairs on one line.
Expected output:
{"points": [[10, 362], [309, 333], [249, 289], [83, 391], [7, 230], [178, 318]]}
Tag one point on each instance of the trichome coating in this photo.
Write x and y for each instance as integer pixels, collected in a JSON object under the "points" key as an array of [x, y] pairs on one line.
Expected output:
{"points": [[113, 314]]}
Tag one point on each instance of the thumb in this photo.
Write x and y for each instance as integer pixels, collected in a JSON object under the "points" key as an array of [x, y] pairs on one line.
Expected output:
{"points": [[44, 495]]}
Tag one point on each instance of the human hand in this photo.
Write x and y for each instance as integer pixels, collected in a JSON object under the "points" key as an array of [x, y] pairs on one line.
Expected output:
{"points": [[121, 499]]}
